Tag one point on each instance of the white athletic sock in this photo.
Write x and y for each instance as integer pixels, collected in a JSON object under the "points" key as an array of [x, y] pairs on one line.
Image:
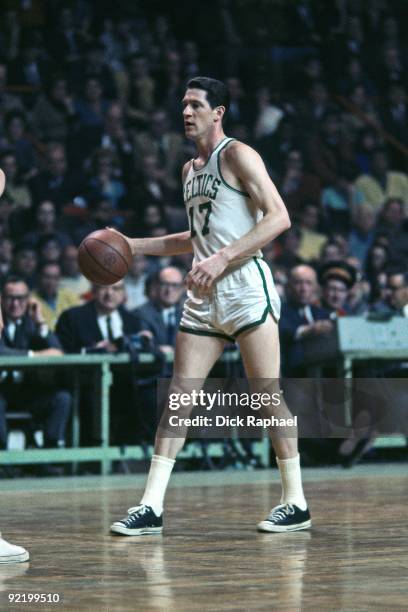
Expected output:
{"points": [[157, 481], [292, 491]]}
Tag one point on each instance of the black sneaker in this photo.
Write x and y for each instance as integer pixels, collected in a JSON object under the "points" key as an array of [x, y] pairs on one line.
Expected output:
{"points": [[141, 520], [286, 517]]}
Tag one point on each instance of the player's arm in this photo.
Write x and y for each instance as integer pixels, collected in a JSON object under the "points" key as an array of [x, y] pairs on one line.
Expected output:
{"points": [[247, 165], [172, 244]]}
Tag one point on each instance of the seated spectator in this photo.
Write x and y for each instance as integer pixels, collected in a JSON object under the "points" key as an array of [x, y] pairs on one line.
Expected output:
{"points": [[301, 318], [394, 118], [26, 333], [30, 68], [353, 76], [72, 279], [393, 224], [148, 187], [311, 241], [92, 106], [161, 314], [53, 115], [103, 325], [138, 91], [52, 298], [113, 135], [296, 186], [362, 112], [103, 183], [49, 249], [382, 183], [314, 107], [25, 263], [391, 217], [8, 102], [6, 257], [330, 251], [57, 182], [18, 142], [165, 145], [94, 64], [331, 154], [268, 115], [367, 141], [336, 279], [378, 259], [362, 234], [45, 223], [240, 109], [394, 304], [290, 243], [135, 282], [16, 190]]}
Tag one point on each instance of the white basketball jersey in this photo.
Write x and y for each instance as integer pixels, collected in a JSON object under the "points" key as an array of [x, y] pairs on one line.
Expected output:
{"points": [[218, 213]]}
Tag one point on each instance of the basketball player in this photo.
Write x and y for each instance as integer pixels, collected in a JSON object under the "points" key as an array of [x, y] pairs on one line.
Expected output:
{"points": [[8, 552], [234, 210]]}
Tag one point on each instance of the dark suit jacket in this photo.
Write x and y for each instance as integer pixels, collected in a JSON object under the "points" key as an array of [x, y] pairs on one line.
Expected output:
{"points": [[77, 327], [150, 317], [292, 349], [27, 339]]}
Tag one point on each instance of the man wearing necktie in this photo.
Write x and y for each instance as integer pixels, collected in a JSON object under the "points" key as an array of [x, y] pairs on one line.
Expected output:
{"points": [[161, 314], [103, 325], [26, 333], [301, 319]]}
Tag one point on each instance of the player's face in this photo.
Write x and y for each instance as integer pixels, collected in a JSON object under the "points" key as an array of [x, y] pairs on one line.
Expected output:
{"points": [[199, 117]]}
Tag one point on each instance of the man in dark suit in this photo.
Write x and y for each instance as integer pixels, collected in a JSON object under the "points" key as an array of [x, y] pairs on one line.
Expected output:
{"points": [[26, 333], [102, 325], [161, 314], [301, 320]]}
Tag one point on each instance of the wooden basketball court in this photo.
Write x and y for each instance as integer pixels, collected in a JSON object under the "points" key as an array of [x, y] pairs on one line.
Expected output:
{"points": [[210, 556]]}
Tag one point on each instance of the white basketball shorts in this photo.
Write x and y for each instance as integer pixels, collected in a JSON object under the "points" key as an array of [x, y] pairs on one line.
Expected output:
{"points": [[241, 299]]}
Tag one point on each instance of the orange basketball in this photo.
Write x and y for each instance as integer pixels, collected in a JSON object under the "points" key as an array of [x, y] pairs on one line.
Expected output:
{"points": [[104, 257]]}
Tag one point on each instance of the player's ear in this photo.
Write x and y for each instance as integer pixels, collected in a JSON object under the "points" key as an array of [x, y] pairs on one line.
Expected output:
{"points": [[219, 113]]}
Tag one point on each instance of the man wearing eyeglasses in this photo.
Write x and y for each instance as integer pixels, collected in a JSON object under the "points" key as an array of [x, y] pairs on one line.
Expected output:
{"points": [[162, 312], [26, 333]]}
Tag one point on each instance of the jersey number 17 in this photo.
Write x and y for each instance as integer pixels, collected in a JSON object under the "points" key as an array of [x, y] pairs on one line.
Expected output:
{"points": [[205, 207]]}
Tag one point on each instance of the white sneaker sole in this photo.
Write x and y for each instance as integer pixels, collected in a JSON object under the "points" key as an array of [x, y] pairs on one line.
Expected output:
{"points": [[267, 526], [21, 558], [121, 530]]}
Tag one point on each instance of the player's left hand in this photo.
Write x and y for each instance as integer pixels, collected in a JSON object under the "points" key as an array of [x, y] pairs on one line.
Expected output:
{"points": [[203, 274]]}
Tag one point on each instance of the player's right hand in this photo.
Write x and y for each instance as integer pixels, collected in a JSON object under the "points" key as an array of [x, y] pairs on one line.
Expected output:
{"points": [[128, 240]]}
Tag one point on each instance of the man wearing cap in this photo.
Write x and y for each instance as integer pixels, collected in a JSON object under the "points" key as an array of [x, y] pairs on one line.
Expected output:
{"points": [[336, 279]]}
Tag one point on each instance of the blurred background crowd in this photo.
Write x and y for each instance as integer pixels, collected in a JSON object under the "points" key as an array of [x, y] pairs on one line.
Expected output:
{"points": [[91, 135]]}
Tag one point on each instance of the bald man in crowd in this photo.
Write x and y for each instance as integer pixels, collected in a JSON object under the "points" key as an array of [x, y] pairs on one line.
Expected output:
{"points": [[301, 318]]}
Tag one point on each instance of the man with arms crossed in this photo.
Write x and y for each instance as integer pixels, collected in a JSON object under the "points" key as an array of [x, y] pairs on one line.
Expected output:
{"points": [[9, 553], [234, 210]]}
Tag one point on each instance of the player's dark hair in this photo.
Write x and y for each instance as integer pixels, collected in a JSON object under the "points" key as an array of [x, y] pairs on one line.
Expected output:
{"points": [[217, 91]]}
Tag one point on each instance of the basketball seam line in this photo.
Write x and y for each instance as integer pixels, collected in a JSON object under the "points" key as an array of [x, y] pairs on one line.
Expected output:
{"points": [[99, 264], [112, 247]]}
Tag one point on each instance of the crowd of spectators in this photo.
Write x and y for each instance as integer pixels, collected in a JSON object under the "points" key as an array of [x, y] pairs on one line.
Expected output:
{"points": [[91, 135]]}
